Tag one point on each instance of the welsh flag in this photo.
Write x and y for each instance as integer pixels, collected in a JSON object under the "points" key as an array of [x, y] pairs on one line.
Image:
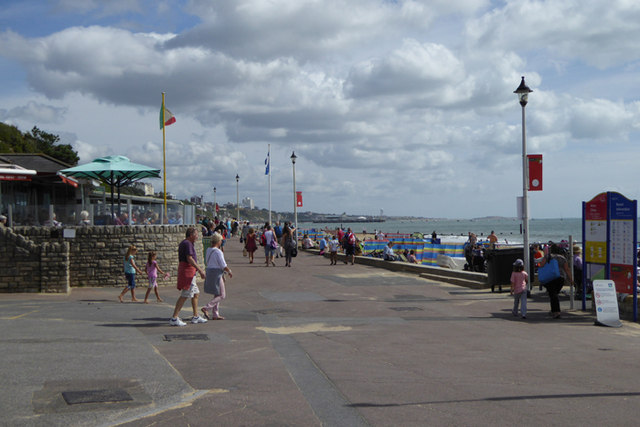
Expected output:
{"points": [[166, 117]]}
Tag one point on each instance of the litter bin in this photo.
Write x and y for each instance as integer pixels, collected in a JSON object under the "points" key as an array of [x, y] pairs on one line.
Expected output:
{"points": [[500, 265]]}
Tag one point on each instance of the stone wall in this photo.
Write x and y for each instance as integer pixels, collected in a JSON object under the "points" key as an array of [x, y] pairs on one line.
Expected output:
{"points": [[26, 266], [96, 254]]}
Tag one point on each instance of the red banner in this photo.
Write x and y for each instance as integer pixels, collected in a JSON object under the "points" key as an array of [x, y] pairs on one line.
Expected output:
{"points": [[299, 199], [535, 172], [12, 177]]}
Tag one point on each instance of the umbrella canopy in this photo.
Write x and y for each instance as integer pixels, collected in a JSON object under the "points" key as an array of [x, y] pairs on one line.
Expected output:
{"points": [[115, 171]]}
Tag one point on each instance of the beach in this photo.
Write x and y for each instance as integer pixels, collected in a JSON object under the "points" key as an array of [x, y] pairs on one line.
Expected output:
{"points": [[457, 230]]}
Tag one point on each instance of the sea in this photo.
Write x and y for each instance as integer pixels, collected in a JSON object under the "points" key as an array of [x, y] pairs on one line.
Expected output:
{"points": [[508, 230]]}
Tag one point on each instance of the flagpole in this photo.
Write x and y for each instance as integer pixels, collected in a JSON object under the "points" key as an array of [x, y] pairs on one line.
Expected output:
{"points": [[164, 160], [269, 156]]}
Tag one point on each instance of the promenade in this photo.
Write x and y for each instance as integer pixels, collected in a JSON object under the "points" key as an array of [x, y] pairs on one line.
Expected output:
{"points": [[312, 345]]}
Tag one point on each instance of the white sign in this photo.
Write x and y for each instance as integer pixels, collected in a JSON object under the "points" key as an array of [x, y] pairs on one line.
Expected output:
{"points": [[604, 296]]}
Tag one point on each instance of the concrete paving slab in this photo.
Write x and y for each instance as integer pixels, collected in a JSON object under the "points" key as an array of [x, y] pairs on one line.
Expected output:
{"points": [[315, 345]]}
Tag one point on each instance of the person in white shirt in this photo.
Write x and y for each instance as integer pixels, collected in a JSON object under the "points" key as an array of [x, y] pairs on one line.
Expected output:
{"points": [[214, 281], [387, 253], [334, 244]]}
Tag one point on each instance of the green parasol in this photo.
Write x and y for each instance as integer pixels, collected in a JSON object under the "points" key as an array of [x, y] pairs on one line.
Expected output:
{"points": [[115, 171]]}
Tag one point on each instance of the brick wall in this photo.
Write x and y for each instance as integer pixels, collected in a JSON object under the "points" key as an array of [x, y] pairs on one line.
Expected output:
{"points": [[95, 255]]}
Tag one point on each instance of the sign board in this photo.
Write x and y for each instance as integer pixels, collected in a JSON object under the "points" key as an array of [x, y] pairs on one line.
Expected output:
{"points": [[609, 224], [604, 297]]}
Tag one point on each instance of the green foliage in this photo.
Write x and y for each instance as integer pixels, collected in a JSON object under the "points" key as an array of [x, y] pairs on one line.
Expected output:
{"points": [[36, 141]]}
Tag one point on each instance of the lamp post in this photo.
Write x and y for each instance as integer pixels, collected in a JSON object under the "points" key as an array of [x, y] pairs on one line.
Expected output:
{"points": [[295, 201], [237, 198], [215, 205], [523, 92]]}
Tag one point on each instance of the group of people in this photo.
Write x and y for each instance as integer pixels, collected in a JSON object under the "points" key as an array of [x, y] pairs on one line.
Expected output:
{"points": [[553, 259], [188, 268]]}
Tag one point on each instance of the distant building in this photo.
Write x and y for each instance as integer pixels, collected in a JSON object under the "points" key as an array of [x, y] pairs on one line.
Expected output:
{"points": [[247, 202], [146, 188]]}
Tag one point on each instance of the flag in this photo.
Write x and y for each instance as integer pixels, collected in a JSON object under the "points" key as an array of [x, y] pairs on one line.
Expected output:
{"points": [[166, 117], [266, 162], [217, 208], [535, 172], [299, 199]]}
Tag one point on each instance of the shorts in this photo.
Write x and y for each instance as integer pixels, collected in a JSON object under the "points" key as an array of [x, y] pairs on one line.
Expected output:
{"points": [[350, 249], [269, 251], [192, 291], [131, 280], [153, 282]]}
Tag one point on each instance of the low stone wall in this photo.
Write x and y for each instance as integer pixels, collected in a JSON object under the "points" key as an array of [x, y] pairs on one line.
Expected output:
{"points": [[26, 266], [96, 254]]}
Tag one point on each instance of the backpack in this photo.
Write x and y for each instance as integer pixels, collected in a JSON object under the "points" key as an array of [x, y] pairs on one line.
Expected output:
{"points": [[263, 240], [352, 239]]}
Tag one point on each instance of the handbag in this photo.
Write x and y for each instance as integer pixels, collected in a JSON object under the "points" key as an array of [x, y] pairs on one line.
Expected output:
{"points": [[294, 252], [549, 271], [244, 252]]}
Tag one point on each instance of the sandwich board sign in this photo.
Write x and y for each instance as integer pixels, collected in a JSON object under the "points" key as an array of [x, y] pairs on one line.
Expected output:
{"points": [[604, 296]]}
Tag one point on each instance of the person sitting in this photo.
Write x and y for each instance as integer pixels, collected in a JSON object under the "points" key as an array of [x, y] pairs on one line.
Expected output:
{"points": [[307, 243], [387, 253], [412, 257]]}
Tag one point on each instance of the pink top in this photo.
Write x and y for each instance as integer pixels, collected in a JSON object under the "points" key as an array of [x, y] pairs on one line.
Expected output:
{"points": [[152, 270], [519, 281]]}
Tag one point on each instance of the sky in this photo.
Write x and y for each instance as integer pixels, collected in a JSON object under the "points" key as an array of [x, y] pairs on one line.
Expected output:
{"points": [[401, 106]]}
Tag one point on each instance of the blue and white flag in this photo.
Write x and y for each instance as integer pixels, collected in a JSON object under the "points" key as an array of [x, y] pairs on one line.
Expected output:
{"points": [[266, 162]]}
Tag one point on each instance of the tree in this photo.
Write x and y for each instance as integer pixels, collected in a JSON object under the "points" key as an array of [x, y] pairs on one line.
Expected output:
{"points": [[47, 143]]}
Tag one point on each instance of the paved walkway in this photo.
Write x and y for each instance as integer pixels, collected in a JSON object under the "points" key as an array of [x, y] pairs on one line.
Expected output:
{"points": [[313, 345]]}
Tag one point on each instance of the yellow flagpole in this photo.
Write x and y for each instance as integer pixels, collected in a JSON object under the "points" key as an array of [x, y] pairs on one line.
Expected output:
{"points": [[164, 160]]}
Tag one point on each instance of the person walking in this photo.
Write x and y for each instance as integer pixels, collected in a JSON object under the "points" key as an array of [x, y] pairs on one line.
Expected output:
{"points": [[334, 245], [270, 245], [250, 244], [288, 243], [187, 268], [349, 246], [130, 269], [153, 269], [555, 285], [214, 283], [519, 280]]}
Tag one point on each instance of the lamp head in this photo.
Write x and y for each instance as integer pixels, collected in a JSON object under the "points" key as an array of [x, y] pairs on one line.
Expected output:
{"points": [[523, 92], [237, 178], [293, 157]]}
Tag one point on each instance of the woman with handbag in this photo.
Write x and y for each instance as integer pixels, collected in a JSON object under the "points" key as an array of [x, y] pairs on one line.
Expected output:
{"points": [[552, 273], [214, 282], [289, 244]]}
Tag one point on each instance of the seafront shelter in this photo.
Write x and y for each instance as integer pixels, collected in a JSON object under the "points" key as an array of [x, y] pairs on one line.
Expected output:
{"points": [[40, 195]]}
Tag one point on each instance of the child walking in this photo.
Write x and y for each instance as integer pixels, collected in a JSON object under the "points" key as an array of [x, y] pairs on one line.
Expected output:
{"points": [[130, 269], [519, 280], [153, 269]]}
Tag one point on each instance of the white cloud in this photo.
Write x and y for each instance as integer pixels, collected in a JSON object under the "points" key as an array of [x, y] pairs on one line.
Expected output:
{"points": [[406, 106]]}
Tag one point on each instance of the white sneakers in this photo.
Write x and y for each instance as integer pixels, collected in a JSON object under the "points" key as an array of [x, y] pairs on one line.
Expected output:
{"points": [[177, 322], [198, 319], [195, 319]]}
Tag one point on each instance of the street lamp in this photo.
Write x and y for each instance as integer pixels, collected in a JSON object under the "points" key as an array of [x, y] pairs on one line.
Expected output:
{"points": [[523, 92], [237, 198], [295, 201], [215, 205]]}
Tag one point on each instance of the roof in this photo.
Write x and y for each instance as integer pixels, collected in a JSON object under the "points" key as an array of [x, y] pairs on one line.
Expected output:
{"points": [[39, 162]]}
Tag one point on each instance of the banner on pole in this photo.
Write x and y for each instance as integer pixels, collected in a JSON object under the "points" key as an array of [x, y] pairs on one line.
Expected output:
{"points": [[535, 172], [299, 199]]}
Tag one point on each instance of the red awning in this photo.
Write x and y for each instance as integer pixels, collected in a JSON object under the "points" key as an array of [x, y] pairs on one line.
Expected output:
{"points": [[68, 180], [15, 173]]}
